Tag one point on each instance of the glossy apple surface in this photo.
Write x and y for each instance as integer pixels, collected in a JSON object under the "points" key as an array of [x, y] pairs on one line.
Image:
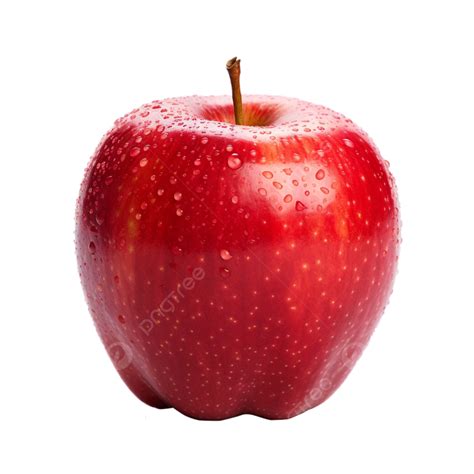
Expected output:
{"points": [[236, 269]]}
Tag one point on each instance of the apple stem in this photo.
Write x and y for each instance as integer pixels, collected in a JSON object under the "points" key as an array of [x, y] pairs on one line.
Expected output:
{"points": [[233, 68]]}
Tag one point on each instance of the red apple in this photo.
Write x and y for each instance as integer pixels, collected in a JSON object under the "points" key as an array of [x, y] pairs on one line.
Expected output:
{"points": [[236, 269]]}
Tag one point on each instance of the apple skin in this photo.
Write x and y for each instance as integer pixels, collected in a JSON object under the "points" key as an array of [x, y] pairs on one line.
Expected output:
{"points": [[236, 269]]}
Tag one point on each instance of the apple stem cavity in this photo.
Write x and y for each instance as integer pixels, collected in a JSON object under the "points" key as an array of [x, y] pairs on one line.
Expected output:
{"points": [[233, 68]]}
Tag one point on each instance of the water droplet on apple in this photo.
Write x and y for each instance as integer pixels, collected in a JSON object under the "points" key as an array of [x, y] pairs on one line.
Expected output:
{"points": [[225, 254], [204, 140], [121, 318], [173, 180], [143, 162], [288, 198], [224, 272], [177, 196], [176, 250], [135, 151], [160, 192], [197, 162], [234, 162], [229, 148], [253, 153], [262, 191], [235, 199], [324, 190], [348, 143], [287, 171], [299, 206], [295, 182], [268, 174], [277, 185], [320, 174], [179, 212], [92, 248]]}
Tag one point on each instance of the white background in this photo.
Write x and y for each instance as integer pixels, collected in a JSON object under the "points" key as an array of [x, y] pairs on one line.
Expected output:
{"points": [[402, 70]]}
